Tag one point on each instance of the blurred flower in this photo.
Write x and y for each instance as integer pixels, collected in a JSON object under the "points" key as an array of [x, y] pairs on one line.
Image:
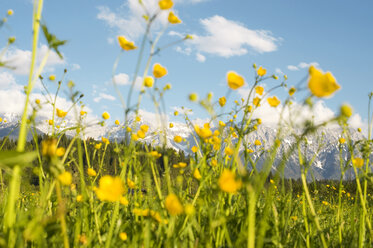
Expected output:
{"points": [[292, 91], [222, 101], [173, 19], [257, 143], [123, 236], [261, 71], [105, 115], [155, 154], [194, 149], [358, 162], [83, 112], [148, 81], [79, 198], [49, 147], [131, 184], [346, 110], [144, 128], [52, 77], [65, 178], [60, 113], [105, 140], [228, 183], [342, 140], [321, 84], [197, 174], [60, 151], [91, 172], [37, 101], [178, 139], [165, 4], [125, 44], [221, 123], [234, 80], [123, 200], [159, 71], [117, 122], [204, 132], [173, 205], [171, 125], [228, 151], [256, 102], [193, 97], [180, 165], [176, 113], [98, 146], [110, 189], [273, 101], [259, 90], [140, 134], [10, 12]]}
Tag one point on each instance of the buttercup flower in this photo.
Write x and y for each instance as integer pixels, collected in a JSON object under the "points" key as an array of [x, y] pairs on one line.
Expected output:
{"points": [[261, 71], [125, 44], [256, 102], [65, 178], [144, 128], [259, 90], [358, 162], [159, 71], [346, 110], [342, 140], [222, 101], [292, 91], [60, 152], [204, 132], [257, 143], [131, 184], [52, 77], [321, 84], [193, 97], [273, 101], [117, 122], [110, 189], [194, 149], [171, 125], [37, 101], [91, 172], [173, 19], [10, 12], [105, 115], [234, 80], [149, 81], [123, 236], [165, 4], [197, 174], [228, 183], [178, 139], [60, 113], [228, 151], [173, 205]]}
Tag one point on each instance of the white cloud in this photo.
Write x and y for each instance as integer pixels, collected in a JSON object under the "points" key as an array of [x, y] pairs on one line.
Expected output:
{"points": [[279, 71], [122, 79], [186, 51], [75, 67], [132, 24], [177, 34], [301, 65], [104, 96], [182, 110], [19, 60], [200, 58], [228, 38]]}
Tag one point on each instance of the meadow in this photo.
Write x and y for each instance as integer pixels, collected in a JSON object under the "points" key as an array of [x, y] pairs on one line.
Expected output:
{"points": [[60, 190]]}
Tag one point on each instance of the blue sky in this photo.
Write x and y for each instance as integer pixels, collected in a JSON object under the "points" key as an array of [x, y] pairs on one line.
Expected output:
{"points": [[283, 36]]}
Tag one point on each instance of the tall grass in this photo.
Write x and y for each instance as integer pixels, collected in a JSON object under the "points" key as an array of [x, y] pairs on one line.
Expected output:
{"points": [[219, 197]]}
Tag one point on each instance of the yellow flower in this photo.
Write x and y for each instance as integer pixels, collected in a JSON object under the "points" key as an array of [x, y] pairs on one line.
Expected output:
{"points": [[257, 143], [134, 137], [10, 12], [271, 181], [52, 77], [294, 218], [140, 134], [214, 162], [325, 203], [227, 182], [49, 147], [176, 113], [358, 162], [131, 184], [83, 112], [123, 200], [105, 140], [123, 236], [320, 84], [144, 128], [188, 36], [204, 132], [98, 146], [256, 102], [148, 81], [178, 139], [342, 140], [173, 205], [128, 129], [165, 4], [222, 101], [117, 122], [359, 130], [171, 125], [105, 115], [228, 151], [79, 198], [221, 123], [261, 71], [193, 97], [159, 71], [167, 87], [180, 165], [125, 44], [259, 90], [110, 189], [91, 172], [61, 113], [250, 150], [65, 178], [37, 101], [273, 101], [346, 110], [173, 19], [197, 174], [60, 152], [194, 149], [292, 91], [138, 118], [234, 80], [189, 209], [155, 154]]}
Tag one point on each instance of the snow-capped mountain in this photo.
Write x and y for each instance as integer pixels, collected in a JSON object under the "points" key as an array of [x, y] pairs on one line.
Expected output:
{"points": [[322, 148]]}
